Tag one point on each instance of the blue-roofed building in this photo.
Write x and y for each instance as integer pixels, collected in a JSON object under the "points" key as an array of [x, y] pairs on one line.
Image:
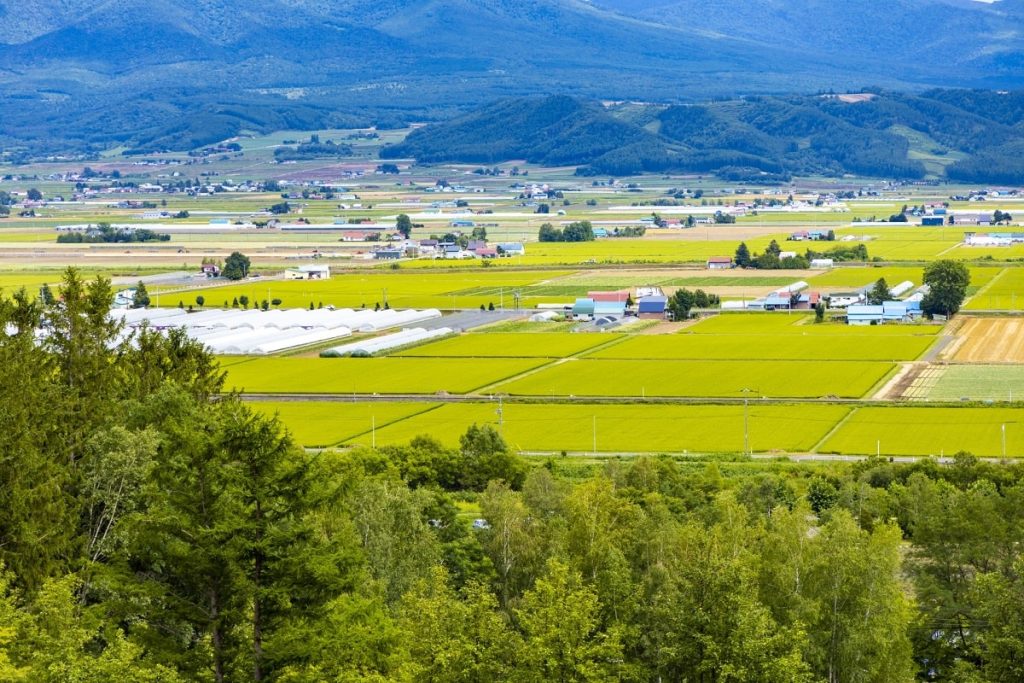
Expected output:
{"points": [[775, 302], [600, 232], [887, 312], [652, 306], [609, 308], [511, 249]]}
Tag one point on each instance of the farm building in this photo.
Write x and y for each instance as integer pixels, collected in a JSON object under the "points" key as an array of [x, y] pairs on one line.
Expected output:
{"points": [[933, 221], [210, 270], [255, 332], [887, 312], [511, 249], [609, 308], [388, 254], [807, 300], [649, 290], [719, 263], [583, 308], [621, 295], [310, 272], [822, 263], [653, 306], [778, 302], [902, 288], [992, 239]]}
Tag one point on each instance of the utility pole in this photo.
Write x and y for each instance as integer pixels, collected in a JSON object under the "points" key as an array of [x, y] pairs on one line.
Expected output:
{"points": [[746, 423], [373, 432], [501, 413], [595, 435], [1004, 439]]}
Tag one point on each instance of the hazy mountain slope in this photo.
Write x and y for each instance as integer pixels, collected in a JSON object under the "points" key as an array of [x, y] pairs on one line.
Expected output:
{"points": [[61, 59], [919, 37], [756, 138]]}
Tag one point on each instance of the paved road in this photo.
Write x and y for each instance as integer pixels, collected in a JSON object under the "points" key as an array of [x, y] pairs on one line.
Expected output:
{"points": [[470, 318]]}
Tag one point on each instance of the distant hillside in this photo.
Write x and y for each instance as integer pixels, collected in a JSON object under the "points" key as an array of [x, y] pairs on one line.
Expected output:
{"points": [[755, 138], [85, 75]]}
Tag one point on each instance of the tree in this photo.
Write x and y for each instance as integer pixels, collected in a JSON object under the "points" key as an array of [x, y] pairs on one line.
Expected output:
{"points": [[580, 231], [403, 224], [549, 233], [879, 293], [742, 257], [200, 300], [947, 281], [563, 640], [34, 195], [236, 266], [680, 303], [243, 300], [141, 297]]}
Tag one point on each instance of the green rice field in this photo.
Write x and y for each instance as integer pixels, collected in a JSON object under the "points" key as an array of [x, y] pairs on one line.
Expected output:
{"points": [[328, 423], [624, 428], [399, 289], [372, 375], [769, 348], [509, 345], [1005, 292], [929, 431], [702, 378]]}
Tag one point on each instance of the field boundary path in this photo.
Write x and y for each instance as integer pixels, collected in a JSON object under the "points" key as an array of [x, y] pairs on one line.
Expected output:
{"points": [[616, 339], [835, 428]]}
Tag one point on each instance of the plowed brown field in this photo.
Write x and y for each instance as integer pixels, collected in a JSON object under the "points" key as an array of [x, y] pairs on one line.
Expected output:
{"points": [[991, 340]]}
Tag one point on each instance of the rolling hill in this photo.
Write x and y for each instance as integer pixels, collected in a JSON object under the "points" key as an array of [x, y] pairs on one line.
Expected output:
{"points": [[175, 73], [973, 136]]}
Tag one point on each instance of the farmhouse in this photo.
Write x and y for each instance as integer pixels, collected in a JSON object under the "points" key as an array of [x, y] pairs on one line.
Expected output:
{"points": [[619, 296], [992, 239], [511, 249], [387, 254], [887, 312], [719, 263], [583, 309], [210, 269], [652, 307], [310, 272]]}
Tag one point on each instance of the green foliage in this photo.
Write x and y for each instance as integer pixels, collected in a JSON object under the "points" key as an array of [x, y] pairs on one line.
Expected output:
{"points": [[880, 292], [236, 267], [105, 233], [404, 225], [151, 533], [947, 281], [579, 231], [141, 297]]}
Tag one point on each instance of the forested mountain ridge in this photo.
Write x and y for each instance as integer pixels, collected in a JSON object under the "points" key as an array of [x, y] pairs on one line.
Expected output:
{"points": [[153, 529], [969, 136], [227, 65]]}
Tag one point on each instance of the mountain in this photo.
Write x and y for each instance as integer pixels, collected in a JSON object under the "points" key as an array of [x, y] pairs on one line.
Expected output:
{"points": [[974, 136], [171, 73]]}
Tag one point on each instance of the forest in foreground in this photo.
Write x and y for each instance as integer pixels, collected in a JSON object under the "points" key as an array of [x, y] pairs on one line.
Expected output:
{"points": [[153, 529]]}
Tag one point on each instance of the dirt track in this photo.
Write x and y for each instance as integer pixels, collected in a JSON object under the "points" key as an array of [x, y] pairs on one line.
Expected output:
{"points": [[990, 340]]}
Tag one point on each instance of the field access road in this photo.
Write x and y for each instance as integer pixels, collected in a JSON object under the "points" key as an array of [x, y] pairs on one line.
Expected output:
{"points": [[546, 399]]}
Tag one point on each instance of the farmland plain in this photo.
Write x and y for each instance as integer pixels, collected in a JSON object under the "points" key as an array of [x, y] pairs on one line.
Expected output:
{"points": [[328, 423], [929, 431], [509, 345], [701, 378], [624, 428], [371, 375], [885, 347]]}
